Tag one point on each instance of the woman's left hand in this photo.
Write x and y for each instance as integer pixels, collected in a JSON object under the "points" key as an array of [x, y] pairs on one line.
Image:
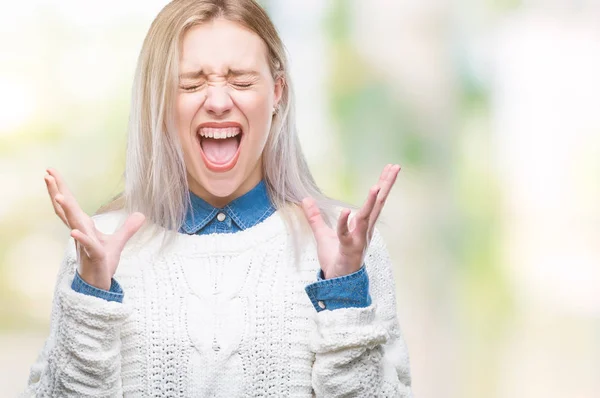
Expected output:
{"points": [[343, 252]]}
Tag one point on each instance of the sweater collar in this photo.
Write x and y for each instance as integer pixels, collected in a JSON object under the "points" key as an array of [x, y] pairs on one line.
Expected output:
{"points": [[246, 211]]}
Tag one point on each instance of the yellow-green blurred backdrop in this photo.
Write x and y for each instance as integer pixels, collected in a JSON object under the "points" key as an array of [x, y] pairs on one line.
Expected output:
{"points": [[491, 107]]}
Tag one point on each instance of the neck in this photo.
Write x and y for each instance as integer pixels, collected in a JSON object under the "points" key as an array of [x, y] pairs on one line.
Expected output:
{"points": [[221, 201]]}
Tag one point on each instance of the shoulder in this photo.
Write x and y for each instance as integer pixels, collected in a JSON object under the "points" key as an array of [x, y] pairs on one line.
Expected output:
{"points": [[377, 246], [110, 221], [382, 283], [377, 257], [107, 223], [377, 241]]}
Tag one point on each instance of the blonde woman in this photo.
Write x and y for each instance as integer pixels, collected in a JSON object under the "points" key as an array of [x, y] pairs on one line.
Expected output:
{"points": [[199, 280]]}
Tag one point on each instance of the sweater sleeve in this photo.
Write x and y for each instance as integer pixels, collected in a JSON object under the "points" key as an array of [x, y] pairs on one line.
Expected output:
{"points": [[82, 354], [360, 352]]}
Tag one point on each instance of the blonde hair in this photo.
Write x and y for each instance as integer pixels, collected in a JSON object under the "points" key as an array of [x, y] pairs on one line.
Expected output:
{"points": [[155, 175]]}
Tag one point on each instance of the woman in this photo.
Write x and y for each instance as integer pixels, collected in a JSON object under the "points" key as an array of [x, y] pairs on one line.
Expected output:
{"points": [[218, 294]]}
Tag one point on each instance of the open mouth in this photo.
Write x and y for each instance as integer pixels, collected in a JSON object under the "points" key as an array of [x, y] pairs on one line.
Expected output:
{"points": [[220, 146]]}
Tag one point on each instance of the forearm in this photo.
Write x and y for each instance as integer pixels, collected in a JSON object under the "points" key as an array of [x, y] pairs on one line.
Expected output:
{"points": [[82, 356], [360, 351], [353, 356]]}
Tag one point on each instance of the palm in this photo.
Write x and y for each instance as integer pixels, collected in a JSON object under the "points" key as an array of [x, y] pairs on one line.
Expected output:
{"points": [[342, 251], [329, 250]]}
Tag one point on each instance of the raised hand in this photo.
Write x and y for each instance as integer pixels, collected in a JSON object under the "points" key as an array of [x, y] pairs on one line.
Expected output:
{"points": [[342, 252], [98, 253]]}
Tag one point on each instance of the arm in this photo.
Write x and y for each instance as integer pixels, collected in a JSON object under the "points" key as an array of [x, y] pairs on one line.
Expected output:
{"points": [[115, 293], [360, 352], [81, 356], [346, 291]]}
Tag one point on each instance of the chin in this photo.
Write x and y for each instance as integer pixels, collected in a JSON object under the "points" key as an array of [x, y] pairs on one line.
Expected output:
{"points": [[222, 188], [221, 162]]}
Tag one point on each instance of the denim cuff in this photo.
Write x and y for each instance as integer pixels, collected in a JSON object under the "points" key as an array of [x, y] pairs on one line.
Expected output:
{"points": [[348, 291], [114, 294]]}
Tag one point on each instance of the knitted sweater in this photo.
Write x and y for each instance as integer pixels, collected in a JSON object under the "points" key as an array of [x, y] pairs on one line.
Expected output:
{"points": [[221, 316]]}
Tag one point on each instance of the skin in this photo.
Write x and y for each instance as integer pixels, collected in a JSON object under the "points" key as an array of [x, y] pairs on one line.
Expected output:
{"points": [[342, 251], [235, 85], [98, 253], [225, 77]]}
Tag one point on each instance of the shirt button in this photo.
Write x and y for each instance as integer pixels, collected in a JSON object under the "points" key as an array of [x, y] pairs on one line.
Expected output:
{"points": [[321, 304], [216, 346], [221, 216]]}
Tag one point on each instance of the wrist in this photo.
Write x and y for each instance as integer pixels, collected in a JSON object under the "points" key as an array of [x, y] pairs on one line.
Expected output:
{"points": [[98, 281], [331, 273]]}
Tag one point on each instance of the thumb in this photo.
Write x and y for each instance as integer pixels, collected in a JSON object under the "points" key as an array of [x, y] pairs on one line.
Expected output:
{"points": [[133, 223]]}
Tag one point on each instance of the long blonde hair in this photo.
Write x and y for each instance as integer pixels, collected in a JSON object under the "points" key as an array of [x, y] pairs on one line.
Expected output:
{"points": [[155, 175]]}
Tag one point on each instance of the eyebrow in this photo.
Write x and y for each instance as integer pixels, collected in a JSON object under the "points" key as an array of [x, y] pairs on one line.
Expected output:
{"points": [[230, 73]]}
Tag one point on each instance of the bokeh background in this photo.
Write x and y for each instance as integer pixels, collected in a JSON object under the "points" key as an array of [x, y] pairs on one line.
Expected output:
{"points": [[492, 107]]}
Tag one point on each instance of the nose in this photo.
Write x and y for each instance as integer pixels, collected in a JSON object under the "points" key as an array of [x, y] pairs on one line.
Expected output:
{"points": [[218, 101]]}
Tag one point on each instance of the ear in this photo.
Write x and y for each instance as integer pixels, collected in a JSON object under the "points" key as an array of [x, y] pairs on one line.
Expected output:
{"points": [[278, 90]]}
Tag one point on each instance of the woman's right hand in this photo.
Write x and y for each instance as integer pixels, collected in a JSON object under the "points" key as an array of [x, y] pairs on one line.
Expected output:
{"points": [[99, 253]]}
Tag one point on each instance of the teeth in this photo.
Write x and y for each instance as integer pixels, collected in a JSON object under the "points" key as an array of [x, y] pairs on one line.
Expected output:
{"points": [[219, 133]]}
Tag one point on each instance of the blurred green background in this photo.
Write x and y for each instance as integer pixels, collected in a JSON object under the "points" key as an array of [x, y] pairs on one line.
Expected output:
{"points": [[491, 107]]}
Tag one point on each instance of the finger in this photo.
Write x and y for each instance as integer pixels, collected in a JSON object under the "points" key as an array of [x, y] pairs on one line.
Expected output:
{"points": [[73, 213], [364, 213], [133, 223], [384, 174], [313, 215], [52, 192], [387, 180], [77, 217], [60, 183], [342, 227], [387, 173], [92, 248]]}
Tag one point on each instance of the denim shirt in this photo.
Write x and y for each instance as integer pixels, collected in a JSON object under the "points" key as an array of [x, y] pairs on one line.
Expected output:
{"points": [[245, 212]]}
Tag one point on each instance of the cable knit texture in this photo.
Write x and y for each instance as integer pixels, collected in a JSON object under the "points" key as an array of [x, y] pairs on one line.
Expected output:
{"points": [[221, 315]]}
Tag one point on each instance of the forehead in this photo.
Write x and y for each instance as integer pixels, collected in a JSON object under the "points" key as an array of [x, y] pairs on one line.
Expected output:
{"points": [[220, 44]]}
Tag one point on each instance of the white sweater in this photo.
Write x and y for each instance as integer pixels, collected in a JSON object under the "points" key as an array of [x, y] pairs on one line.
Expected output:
{"points": [[221, 315]]}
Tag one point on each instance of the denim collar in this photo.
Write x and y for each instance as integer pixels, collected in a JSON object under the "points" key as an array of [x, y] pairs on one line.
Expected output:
{"points": [[246, 211]]}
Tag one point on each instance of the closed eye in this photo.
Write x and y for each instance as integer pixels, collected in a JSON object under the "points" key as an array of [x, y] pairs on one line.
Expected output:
{"points": [[242, 85], [190, 88], [192, 85]]}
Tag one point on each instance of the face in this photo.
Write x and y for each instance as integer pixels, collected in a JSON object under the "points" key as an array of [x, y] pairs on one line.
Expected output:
{"points": [[224, 109]]}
